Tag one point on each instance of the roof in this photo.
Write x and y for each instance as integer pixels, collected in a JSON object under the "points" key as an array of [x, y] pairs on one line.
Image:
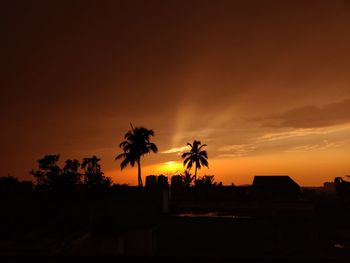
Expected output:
{"points": [[271, 181]]}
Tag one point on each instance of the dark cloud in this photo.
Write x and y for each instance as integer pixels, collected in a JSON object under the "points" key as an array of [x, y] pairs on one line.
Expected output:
{"points": [[312, 116]]}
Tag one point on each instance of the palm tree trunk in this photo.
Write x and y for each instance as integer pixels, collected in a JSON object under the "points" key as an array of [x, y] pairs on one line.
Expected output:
{"points": [[195, 174], [139, 172]]}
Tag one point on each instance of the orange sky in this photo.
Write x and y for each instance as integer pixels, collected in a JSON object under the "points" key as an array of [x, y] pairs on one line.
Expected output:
{"points": [[324, 156], [265, 84]]}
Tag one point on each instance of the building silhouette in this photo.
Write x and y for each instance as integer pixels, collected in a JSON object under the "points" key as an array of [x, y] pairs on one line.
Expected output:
{"points": [[275, 187]]}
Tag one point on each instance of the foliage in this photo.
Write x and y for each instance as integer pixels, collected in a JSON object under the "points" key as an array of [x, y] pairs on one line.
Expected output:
{"points": [[187, 179], [70, 173], [50, 177], [93, 176], [206, 181]]}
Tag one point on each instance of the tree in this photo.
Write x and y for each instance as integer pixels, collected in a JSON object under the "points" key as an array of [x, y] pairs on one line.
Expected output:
{"points": [[136, 144], [51, 177], [70, 173], [208, 181], [93, 176], [195, 156], [48, 175], [187, 179]]}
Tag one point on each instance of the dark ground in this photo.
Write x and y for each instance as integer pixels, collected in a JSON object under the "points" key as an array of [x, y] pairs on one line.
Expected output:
{"points": [[127, 224]]}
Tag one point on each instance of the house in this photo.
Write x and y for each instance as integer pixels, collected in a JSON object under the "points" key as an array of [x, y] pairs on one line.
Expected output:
{"points": [[275, 187], [151, 181], [328, 187], [162, 181], [176, 182]]}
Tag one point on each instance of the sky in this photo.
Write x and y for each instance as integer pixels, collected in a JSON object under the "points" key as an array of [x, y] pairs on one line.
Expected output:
{"points": [[265, 84]]}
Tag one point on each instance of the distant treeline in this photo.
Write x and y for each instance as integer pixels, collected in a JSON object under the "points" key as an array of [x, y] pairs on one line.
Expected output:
{"points": [[76, 175], [87, 174]]}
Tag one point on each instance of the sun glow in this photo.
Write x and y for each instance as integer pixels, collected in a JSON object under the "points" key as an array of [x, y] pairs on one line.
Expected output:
{"points": [[171, 167]]}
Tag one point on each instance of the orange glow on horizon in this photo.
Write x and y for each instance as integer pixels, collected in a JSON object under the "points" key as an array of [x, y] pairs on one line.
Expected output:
{"points": [[311, 156], [170, 167], [241, 170]]}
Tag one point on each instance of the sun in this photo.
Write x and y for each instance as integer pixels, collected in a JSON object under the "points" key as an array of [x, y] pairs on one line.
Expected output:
{"points": [[171, 167]]}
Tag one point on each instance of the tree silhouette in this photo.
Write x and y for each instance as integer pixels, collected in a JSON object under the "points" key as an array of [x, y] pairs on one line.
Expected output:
{"points": [[136, 144], [51, 177], [93, 176], [70, 173], [48, 175], [195, 156], [187, 179], [208, 181]]}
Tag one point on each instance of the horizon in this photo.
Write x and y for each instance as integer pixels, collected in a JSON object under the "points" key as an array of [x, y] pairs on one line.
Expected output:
{"points": [[160, 170], [265, 85]]}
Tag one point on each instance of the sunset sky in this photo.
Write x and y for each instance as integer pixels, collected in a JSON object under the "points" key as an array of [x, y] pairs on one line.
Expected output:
{"points": [[265, 84]]}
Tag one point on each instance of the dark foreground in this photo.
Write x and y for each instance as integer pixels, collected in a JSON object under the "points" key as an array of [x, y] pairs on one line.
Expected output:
{"points": [[127, 224], [161, 259]]}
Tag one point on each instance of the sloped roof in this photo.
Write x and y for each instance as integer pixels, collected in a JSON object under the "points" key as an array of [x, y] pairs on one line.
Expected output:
{"points": [[271, 181]]}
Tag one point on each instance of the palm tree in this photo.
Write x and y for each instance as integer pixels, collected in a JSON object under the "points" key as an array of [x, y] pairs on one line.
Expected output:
{"points": [[195, 156], [136, 144]]}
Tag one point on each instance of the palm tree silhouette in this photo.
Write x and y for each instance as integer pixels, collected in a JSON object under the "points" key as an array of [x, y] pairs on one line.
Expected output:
{"points": [[195, 156], [136, 144]]}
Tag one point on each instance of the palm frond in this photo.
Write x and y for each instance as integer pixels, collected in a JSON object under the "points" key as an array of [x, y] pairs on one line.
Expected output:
{"points": [[128, 135], [203, 145], [203, 161], [203, 154], [152, 147], [123, 144], [185, 155], [124, 164], [186, 160], [119, 156], [198, 164], [189, 164]]}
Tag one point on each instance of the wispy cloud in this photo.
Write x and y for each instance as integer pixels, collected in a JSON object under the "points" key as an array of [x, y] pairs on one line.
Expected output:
{"points": [[297, 140], [276, 136], [176, 150], [319, 146], [236, 150], [229, 155]]}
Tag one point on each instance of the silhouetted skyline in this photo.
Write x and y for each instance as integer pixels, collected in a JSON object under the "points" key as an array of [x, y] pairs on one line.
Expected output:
{"points": [[265, 84]]}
